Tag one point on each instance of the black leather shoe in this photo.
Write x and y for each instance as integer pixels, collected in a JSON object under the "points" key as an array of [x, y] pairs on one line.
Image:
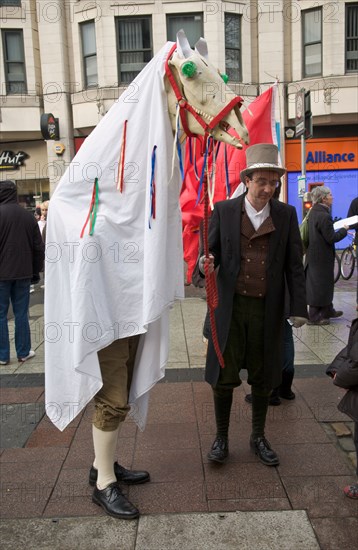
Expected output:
{"points": [[288, 394], [262, 449], [219, 450], [274, 400], [129, 477], [114, 503]]}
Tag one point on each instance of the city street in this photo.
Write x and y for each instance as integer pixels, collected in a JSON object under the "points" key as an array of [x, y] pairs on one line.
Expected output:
{"points": [[46, 499]]}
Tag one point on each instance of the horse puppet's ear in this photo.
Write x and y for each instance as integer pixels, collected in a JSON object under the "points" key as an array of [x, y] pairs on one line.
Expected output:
{"points": [[183, 47], [202, 48]]}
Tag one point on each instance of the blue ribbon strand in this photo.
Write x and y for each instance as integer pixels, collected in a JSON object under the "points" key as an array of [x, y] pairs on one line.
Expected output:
{"points": [[227, 182], [152, 188], [180, 157]]}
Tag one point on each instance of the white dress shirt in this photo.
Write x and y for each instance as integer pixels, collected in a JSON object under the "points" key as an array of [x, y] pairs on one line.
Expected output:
{"points": [[257, 218]]}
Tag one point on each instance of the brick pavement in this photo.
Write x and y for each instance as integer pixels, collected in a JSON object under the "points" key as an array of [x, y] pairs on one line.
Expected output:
{"points": [[44, 472]]}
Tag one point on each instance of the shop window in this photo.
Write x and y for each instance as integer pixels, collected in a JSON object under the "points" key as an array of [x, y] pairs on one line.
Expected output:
{"points": [[10, 3], [351, 38], [14, 61], [233, 47], [312, 42], [89, 53], [191, 23], [134, 40]]}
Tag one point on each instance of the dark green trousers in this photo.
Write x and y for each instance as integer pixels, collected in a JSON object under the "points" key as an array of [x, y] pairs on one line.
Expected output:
{"points": [[244, 350]]}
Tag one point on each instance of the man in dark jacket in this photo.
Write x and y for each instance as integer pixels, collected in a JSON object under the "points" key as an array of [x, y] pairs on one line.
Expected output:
{"points": [[320, 258], [21, 259], [255, 242]]}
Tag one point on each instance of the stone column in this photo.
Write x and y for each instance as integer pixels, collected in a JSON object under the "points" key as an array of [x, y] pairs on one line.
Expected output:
{"points": [[56, 81]]}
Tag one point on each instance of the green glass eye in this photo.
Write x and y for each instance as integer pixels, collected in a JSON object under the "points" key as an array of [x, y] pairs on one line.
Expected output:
{"points": [[189, 69], [225, 78]]}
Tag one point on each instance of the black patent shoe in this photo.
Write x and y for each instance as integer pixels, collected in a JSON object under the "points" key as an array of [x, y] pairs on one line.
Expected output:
{"points": [[129, 477], [219, 450], [262, 449], [114, 503]]}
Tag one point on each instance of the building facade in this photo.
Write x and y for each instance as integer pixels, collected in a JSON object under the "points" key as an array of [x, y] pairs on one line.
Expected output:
{"points": [[74, 58]]}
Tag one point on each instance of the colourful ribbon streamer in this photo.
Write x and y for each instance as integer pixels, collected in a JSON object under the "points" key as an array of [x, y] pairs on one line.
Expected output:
{"points": [[227, 182], [152, 189], [92, 213], [120, 175], [195, 165], [212, 176], [203, 169], [180, 157]]}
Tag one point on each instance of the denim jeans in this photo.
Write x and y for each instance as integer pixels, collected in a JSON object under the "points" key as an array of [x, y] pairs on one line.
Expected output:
{"points": [[18, 292]]}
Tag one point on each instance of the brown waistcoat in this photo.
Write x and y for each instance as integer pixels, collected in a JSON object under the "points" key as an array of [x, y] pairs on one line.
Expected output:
{"points": [[251, 280]]}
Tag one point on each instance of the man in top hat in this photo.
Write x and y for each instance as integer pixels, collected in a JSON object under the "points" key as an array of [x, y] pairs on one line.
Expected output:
{"points": [[255, 242]]}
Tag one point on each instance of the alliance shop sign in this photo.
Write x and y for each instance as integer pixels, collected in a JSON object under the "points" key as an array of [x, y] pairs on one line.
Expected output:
{"points": [[317, 157]]}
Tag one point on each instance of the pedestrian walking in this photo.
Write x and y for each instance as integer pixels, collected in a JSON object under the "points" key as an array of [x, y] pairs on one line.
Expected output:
{"points": [[255, 242], [319, 266], [21, 260]]}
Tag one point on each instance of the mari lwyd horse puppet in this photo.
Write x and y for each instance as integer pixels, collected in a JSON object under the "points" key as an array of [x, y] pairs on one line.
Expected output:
{"points": [[114, 248]]}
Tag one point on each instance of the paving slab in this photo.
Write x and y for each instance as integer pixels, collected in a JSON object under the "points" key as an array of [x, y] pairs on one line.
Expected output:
{"points": [[190, 503], [170, 497], [286, 530], [68, 534], [17, 422], [321, 496], [336, 533], [20, 395]]}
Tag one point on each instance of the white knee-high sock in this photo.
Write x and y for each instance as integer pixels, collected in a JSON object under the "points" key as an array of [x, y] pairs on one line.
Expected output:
{"points": [[104, 444]]}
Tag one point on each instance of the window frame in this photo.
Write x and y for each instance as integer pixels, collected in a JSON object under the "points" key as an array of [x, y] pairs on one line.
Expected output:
{"points": [[12, 3], [349, 6], [304, 44], [187, 14], [239, 48], [85, 57], [20, 33], [144, 50]]}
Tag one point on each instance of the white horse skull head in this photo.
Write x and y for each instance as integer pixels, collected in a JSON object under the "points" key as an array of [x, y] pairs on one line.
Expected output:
{"points": [[202, 86]]}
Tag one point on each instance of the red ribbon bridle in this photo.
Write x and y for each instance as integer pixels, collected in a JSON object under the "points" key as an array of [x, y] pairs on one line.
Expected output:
{"points": [[185, 107]]}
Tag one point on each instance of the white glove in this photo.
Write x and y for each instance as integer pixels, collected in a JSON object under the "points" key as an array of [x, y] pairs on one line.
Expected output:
{"points": [[297, 322]]}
